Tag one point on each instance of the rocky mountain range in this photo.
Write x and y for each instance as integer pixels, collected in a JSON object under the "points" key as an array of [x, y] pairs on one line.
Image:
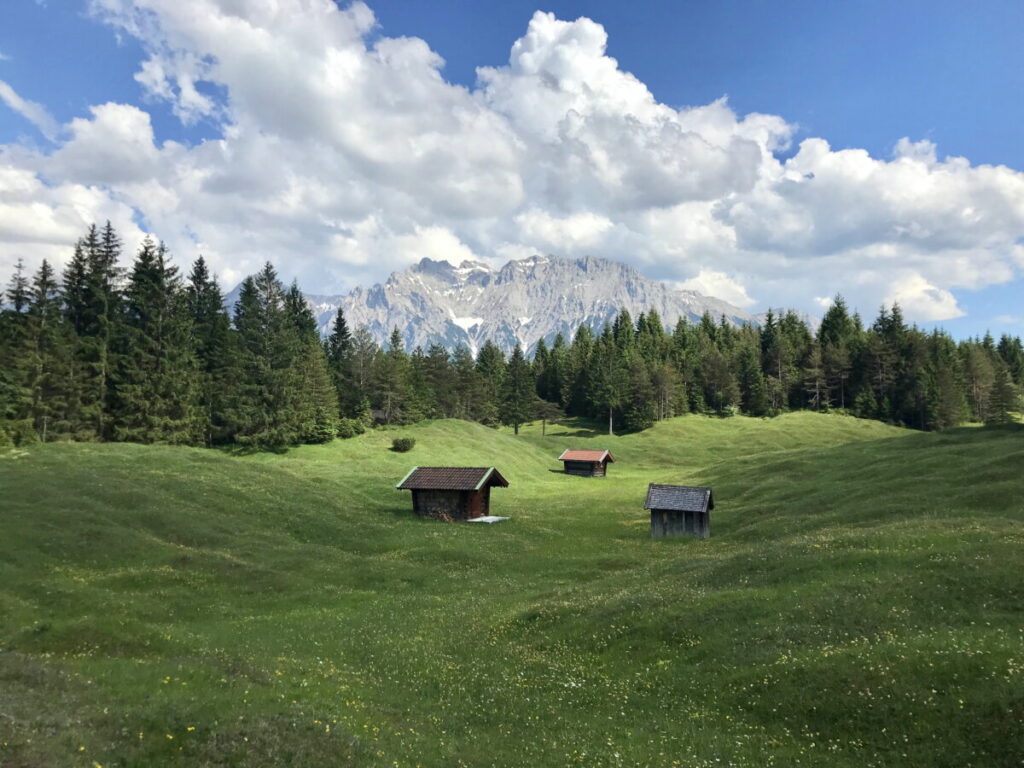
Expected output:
{"points": [[522, 302]]}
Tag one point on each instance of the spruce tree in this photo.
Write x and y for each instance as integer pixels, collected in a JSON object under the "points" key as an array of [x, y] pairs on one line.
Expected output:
{"points": [[519, 392], [639, 411], [155, 399], [15, 388], [214, 346], [467, 391], [49, 350], [753, 395], [608, 380], [92, 307], [490, 367], [392, 372], [311, 388], [339, 347], [1004, 399], [265, 410], [814, 380]]}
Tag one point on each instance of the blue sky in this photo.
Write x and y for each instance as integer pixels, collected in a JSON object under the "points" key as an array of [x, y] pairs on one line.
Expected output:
{"points": [[859, 75]]}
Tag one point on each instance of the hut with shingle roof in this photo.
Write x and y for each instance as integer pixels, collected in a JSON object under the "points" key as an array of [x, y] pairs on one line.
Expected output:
{"points": [[587, 463], [452, 493], [679, 510]]}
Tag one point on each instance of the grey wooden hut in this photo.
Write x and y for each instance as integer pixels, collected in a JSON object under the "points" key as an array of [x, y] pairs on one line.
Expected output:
{"points": [[452, 493], [679, 510], [586, 463]]}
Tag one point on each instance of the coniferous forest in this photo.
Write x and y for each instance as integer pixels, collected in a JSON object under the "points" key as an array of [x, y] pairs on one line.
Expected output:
{"points": [[144, 353]]}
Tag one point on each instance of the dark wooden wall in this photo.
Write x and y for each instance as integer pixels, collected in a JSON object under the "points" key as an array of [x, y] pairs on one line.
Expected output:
{"points": [[666, 523], [585, 468], [451, 505]]}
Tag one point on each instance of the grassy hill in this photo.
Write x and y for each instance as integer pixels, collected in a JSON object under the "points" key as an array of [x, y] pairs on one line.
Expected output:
{"points": [[860, 603]]}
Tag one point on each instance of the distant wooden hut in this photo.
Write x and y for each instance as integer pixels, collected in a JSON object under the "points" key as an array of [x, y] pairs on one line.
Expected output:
{"points": [[679, 510], [452, 493], [586, 463]]}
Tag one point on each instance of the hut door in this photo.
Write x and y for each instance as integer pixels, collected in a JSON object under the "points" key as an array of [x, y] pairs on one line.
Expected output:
{"points": [[475, 504]]}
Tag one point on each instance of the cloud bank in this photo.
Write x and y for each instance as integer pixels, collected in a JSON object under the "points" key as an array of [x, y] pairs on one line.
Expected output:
{"points": [[342, 153]]}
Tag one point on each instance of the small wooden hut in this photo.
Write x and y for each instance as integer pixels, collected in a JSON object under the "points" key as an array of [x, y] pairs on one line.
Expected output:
{"points": [[679, 510], [586, 463], [452, 493]]}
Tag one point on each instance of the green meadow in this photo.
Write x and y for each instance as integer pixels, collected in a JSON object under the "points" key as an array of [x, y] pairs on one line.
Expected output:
{"points": [[860, 603]]}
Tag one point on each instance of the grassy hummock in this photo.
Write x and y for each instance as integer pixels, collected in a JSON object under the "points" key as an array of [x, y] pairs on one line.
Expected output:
{"points": [[860, 603]]}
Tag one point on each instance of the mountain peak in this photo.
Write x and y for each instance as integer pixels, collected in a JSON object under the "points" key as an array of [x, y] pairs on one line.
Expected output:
{"points": [[540, 296]]}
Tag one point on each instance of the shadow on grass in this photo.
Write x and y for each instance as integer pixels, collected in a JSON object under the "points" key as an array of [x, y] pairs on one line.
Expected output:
{"points": [[252, 450]]}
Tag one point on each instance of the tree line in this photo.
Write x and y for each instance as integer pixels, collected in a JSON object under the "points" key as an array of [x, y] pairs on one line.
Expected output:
{"points": [[148, 355]]}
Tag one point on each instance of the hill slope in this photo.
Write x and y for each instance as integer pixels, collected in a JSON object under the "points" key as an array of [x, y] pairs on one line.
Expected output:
{"points": [[858, 604]]}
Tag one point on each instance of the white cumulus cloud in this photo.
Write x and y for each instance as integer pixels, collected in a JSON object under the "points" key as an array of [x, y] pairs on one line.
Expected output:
{"points": [[341, 153]]}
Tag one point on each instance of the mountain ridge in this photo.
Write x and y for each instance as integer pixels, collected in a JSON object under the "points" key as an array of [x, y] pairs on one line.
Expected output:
{"points": [[525, 300]]}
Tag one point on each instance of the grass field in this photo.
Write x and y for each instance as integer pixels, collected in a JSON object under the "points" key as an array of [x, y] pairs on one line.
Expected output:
{"points": [[860, 603]]}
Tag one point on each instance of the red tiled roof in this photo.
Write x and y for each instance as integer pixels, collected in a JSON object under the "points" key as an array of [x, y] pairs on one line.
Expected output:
{"points": [[451, 479], [568, 455]]}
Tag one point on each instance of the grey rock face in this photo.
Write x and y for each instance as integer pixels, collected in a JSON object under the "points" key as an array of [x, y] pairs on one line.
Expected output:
{"points": [[524, 301]]}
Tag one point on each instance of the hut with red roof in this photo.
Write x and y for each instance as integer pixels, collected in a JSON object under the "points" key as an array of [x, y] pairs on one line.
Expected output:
{"points": [[586, 463]]}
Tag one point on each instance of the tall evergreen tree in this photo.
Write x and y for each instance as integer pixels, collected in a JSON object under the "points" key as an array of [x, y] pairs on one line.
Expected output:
{"points": [[155, 399], [340, 349], [753, 395], [519, 392], [215, 349], [265, 411], [392, 379], [49, 352], [608, 378], [313, 391], [490, 367], [15, 389]]}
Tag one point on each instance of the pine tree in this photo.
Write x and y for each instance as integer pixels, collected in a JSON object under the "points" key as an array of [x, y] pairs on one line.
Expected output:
{"points": [[265, 411], [364, 353], [557, 370], [340, 350], [215, 349], [979, 377], [92, 305], [440, 381], [837, 364], [639, 411], [579, 370], [948, 403], [467, 391], [154, 398], [608, 378], [542, 370], [1012, 353], [103, 251], [1004, 399], [720, 388], [814, 380], [15, 388], [668, 386], [312, 389], [753, 395], [392, 372], [49, 352], [490, 367], [547, 412], [519, 393]]}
